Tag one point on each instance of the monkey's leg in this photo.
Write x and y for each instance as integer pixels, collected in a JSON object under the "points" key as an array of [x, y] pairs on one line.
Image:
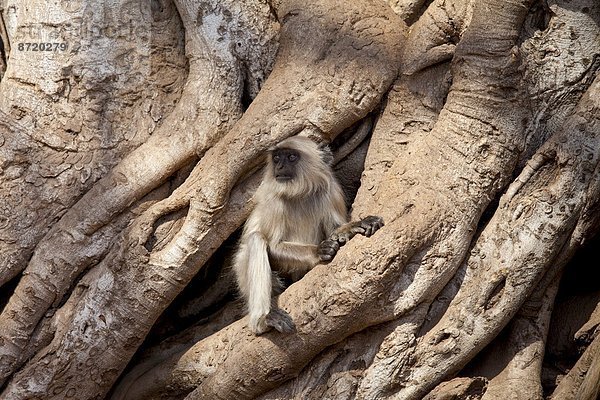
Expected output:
{"points": [[329, 247]]}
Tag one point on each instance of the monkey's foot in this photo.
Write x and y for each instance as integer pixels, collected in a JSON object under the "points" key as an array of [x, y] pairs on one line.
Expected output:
{"points": [[370, 225], [281, 321], [276, 319], [366, 227]]}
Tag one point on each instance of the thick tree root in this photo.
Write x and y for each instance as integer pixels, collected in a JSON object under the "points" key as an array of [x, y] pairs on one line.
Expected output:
{"points": [[501, 274], [340, 80], [209, 106], [583, 381]]}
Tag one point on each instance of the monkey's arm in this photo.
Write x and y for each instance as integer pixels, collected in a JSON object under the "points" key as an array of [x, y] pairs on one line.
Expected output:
{"points": [[293, 257], [254, 279], [329, 247]]}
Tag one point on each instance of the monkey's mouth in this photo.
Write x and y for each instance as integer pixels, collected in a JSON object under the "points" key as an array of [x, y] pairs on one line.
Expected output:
{"points": [[283, 178]]}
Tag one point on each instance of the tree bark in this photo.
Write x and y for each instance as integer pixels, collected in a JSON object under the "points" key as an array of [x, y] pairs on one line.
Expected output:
{"points": [[129, 158], [110, 313]]}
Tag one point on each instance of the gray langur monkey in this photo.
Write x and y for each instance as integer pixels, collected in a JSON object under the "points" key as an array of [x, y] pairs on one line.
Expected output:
{"points": [[299, 220]]}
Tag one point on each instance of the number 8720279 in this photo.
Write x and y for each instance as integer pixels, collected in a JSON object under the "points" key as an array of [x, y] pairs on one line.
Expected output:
{"points": [[42, 46]]}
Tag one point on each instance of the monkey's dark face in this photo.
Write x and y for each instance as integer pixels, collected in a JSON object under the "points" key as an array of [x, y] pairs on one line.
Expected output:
{"points": [[285, 163]]}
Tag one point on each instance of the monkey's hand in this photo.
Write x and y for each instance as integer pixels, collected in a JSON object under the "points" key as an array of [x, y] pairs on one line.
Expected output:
{"points": [[366, 227], [327, 249]]}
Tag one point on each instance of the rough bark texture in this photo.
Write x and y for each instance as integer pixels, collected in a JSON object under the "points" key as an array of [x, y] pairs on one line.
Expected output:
{"points": [[71, 115], [83, 235], [128, 161]]}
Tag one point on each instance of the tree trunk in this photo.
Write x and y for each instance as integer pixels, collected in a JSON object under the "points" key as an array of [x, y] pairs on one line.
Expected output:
{"points": [[131, 145]]}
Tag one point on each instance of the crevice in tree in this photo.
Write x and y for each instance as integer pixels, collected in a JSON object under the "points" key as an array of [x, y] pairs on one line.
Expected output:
{"points": [[537, 20], [473, 369], [7, 290], [487, 214], [353, 136], [495, 294], [414, 17], [2, 59], [582, 275], [350, 151], [246, 99], [169, 223], [4, 44], [212, 288], [578, 295]]}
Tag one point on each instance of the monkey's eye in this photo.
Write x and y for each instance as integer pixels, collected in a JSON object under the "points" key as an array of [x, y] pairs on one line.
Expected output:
{"points": [[276, 158], [292, 157]]}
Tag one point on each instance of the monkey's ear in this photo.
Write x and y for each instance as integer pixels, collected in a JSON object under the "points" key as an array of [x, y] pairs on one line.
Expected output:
{"points": [[326, 154], [323, 147]]}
